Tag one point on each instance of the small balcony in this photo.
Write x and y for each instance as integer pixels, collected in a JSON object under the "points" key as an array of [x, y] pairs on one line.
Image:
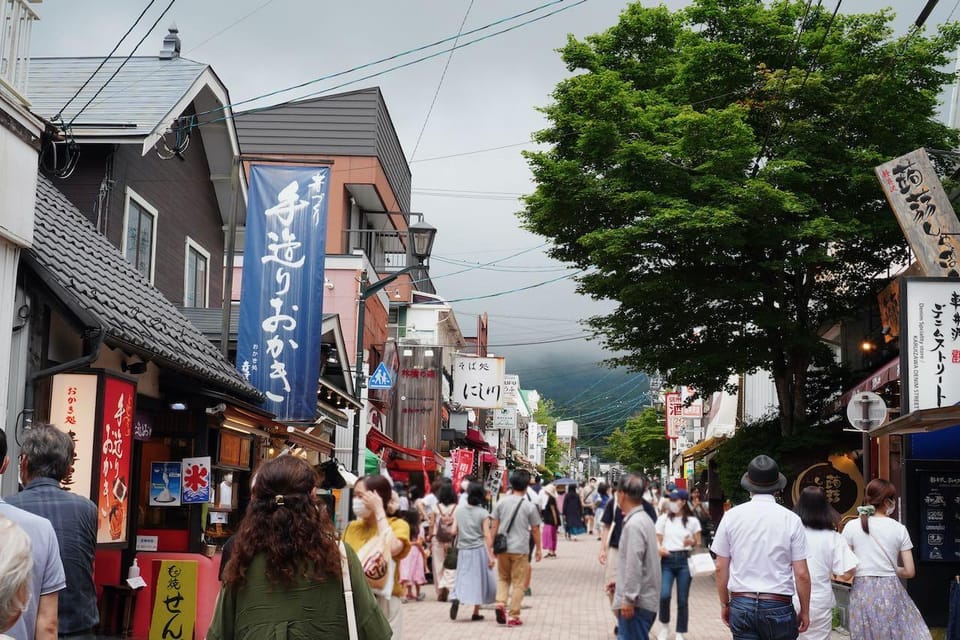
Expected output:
{"points": [[387, 252], [16, 24]]}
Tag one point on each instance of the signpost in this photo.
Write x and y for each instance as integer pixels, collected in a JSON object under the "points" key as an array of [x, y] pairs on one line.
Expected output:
{"points": [[380, 379], [866, 412]]}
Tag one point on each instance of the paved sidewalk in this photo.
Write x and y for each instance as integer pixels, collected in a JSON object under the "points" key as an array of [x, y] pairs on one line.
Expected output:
{"points": [[567, 604]]}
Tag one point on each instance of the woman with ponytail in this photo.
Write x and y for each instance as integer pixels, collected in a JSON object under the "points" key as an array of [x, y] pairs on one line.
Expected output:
{"points": [[286, 569], [880, 607]]}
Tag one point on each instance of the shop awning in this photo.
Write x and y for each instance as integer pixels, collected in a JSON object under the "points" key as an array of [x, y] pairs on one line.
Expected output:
{"points": [[305, 437], [476, 440], [376, 441], [723, 421], [920, 421], [702, 448], [882, 376]]}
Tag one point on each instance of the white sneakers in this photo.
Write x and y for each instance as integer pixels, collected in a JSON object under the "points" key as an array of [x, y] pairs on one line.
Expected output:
{"points": [[679, 636], [663, 633]]}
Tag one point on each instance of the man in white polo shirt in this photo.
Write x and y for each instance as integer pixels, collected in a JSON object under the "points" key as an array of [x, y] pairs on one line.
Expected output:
{"points": [[761, 553]]}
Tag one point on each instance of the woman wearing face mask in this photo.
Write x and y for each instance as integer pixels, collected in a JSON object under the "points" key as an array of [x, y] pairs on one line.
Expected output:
{"points": [[375, 504], [883, 548], [677, 532]]}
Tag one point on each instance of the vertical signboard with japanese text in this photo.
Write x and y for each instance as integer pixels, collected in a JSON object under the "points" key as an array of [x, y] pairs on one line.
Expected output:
{"points": [[673, 403], [73, 409], [923, 210], [462, 466], [116, 454], [930, 343], [174, 600], [511, 390], [281, 303], [478, 382]]}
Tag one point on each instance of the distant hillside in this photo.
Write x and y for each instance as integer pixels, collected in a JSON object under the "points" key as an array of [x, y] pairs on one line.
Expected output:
{"points": [[597, 398]]}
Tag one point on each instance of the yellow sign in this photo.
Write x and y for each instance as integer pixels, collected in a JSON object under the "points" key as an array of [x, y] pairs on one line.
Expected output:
{"points": [[175, 601]]}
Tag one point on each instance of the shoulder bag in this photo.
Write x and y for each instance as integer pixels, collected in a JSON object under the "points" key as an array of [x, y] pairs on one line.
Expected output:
{"points": [[500, 540], [348, 593]]}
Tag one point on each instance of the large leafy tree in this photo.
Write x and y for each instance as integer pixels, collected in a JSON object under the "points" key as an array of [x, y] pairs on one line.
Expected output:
{"points": [[711, 170], [640, 444]]}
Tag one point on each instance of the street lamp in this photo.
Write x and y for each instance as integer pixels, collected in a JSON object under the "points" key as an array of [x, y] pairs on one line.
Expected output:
{"points": [[420, 237]]}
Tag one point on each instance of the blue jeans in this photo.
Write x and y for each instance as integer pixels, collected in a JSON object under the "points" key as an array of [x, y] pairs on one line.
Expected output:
{"points": [[752, 619], [637, 627], [675, 567]]}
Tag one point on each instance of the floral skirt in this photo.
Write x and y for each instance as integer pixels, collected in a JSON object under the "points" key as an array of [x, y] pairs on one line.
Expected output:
{"points": [[881, 609]]}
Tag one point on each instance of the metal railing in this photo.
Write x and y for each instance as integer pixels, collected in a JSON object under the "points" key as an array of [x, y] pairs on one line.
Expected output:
{"points": [[387, 252], [16, 24]]}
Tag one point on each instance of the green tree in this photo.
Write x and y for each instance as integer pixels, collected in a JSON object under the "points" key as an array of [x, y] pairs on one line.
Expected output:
{"points": [[712, 173], [641, 444], [544, 415]]}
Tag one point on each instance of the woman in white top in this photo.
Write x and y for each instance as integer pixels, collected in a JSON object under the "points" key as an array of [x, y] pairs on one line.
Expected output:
{"points": [[677, 532], [828, 554], [880, 607], [16, 565]]}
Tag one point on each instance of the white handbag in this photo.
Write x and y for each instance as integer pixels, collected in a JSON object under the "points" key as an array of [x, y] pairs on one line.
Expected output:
{"points": [[701, 564], [348, 594]]}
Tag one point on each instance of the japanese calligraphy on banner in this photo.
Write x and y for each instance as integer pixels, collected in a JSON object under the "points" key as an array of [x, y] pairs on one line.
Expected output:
{"points": [[174, 600], [462, 466], [930, 343], [674, 408], [281, 303], [478, 382], [924, 212], [73, 408], [116, 450], [195, 479]]}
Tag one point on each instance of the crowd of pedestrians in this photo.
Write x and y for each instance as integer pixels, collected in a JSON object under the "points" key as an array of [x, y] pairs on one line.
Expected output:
{"points": [[288, 569]]}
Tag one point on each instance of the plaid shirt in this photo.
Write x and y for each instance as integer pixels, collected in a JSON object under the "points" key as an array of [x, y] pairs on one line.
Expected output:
{"points": [[74, 518]]}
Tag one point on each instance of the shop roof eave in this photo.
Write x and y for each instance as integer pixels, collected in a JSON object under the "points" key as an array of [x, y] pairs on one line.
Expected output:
{"points": [[920, 421]]}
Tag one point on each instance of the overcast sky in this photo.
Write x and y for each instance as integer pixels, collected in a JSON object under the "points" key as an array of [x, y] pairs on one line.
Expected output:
{"points": [[489, 98]]}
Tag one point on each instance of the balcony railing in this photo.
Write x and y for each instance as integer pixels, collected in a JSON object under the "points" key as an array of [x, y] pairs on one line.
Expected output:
{"points": [[387, 252], [16, 24]]}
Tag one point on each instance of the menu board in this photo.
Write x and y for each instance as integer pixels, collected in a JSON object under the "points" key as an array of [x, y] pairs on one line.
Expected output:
{"points": [[939, 510]]}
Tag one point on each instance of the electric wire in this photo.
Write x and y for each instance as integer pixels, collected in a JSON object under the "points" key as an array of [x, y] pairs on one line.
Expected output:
{"points": [[395, 56], [229, 26], [122, 64], [104, 61], [474, 152], [509, 291], [443, 75]]}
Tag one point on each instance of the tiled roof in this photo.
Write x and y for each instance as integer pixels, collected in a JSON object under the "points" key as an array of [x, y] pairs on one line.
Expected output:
{"points": [[96, 278], [132, 104]]}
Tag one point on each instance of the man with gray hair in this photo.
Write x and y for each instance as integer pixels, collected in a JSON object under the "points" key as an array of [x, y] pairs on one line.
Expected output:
{"points": [[39, 619], [45, 461], [637, 590]]}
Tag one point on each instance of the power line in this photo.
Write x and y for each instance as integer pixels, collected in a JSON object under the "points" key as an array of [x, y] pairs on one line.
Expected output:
{"points": [[104, 61], [537, 342], [394, 57], [474, 152], [230, 26], [517, 290], [122, 64], [443, 75], [478, 266]]}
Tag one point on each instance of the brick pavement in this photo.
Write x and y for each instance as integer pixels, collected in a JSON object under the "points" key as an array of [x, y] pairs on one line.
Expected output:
{"points": [[567, 604]]}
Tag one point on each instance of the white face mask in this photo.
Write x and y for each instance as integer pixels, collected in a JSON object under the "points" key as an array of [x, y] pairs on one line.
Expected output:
{"points": [[359, 508], [674, 507]]}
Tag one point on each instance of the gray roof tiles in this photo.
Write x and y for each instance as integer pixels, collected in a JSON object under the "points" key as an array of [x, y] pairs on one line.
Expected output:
{"points": [[132, 104], [132, 313]]}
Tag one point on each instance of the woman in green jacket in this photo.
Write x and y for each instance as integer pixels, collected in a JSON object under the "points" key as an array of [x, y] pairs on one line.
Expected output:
{"points": [[284, 578]]}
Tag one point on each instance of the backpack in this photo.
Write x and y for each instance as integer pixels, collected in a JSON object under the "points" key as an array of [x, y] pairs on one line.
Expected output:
{"points": [[445, 524]]}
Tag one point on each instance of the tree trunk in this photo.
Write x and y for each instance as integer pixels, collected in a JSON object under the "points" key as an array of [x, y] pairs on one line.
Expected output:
{"points": [[790, 380]]}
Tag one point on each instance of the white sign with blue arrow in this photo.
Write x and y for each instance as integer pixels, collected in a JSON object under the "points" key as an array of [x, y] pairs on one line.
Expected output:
{"points": [[381, 378]]}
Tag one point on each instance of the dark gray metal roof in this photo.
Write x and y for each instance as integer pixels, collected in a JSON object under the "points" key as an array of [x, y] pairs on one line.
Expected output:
{"points": [[356, 123], [210, 321], [89, 274], [132, 104]]}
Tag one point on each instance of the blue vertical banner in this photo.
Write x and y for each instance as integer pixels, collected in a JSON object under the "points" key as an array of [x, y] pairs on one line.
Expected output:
{"points": [[281, 303]]}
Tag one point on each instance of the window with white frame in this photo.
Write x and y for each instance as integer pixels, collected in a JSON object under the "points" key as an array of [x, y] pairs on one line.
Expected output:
{"points": [[196, 276], [140, 234]]}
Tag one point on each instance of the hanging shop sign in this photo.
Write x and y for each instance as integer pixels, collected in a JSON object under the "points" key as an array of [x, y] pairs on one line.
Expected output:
{"points": [[930, 343], [478, 382], [73, 409], [175, 600], [840, 480], [278, 346], [511, 390], [116, 450], [505, 418], [924, 212], [462, 466], [691, 408], [195, 476], [673, 402], [567, 430]]}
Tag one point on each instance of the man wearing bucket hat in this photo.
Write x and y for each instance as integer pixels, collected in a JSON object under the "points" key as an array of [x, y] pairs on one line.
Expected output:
{"points": [[761, 554]]}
